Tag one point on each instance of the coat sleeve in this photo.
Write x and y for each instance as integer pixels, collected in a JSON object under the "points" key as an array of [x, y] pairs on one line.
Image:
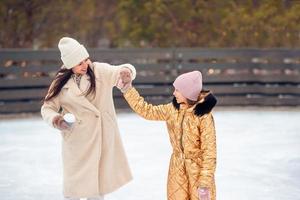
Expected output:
{"points": [[146, 110], [111, 73], [208, 149], [50, 109]]}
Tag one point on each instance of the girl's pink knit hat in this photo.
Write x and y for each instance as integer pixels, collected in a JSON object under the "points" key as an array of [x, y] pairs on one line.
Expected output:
{"points": [[189, 84]]}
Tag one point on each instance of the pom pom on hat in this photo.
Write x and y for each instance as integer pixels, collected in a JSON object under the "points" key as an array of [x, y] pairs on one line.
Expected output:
{"points": [[72, 53], [189, 84]]}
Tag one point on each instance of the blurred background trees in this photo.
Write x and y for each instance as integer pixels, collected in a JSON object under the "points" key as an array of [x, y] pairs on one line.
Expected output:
{"points": [[158, 23]]}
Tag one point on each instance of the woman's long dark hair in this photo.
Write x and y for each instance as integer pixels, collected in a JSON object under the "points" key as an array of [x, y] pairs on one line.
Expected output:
{"points": [[62, 77]]}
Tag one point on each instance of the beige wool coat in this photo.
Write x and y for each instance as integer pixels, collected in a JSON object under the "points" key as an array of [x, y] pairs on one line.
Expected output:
{"points": [[94, 161]]}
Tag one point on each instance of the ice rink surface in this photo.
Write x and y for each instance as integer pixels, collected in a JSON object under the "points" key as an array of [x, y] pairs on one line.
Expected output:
{"points": [[258, 156]]}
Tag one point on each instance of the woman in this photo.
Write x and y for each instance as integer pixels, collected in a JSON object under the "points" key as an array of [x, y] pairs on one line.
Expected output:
{"points": [[94, 161], [192, 135]]}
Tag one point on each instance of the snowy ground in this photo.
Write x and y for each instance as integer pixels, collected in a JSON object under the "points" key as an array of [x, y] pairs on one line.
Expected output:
{"points": [[258, 157]]}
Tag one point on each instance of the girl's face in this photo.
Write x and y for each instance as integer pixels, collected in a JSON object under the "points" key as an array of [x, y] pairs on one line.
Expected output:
{"points": [[81, 68], [180, 99]]}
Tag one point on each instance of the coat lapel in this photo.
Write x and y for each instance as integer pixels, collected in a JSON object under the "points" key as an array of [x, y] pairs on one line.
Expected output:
{"points": [[79, 97]]}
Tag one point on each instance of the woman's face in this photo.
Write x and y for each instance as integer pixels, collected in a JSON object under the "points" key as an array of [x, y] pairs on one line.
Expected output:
{"points": [[180, 99], [82, 67]]}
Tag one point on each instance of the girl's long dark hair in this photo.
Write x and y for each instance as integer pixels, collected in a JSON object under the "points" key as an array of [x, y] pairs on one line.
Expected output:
{"points": [[62, 77]]}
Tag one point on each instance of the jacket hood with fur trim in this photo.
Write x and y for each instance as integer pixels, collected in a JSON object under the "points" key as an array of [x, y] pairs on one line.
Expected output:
{"points": [[203, 106]]}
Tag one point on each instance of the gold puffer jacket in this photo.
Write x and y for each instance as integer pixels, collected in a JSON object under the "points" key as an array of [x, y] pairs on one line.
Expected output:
{"points": [[192, 136]]}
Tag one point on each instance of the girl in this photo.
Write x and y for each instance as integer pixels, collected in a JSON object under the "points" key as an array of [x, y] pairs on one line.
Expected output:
{"points": [[94, 161], [192, 135]]}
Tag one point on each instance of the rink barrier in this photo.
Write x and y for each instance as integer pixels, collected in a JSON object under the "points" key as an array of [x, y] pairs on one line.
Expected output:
{"points": [[238, 77]]}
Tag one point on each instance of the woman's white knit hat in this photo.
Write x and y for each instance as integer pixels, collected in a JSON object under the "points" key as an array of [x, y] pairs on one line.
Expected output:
{"points": [[72, 53]]}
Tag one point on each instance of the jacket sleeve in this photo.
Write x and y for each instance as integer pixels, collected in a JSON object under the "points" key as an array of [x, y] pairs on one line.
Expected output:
{"points": [[111, 73], [208, 149], [50, 109], [146, 110]]}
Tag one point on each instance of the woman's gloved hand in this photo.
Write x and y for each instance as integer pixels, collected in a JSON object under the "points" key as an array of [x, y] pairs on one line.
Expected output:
{"points": [[59, 123]]}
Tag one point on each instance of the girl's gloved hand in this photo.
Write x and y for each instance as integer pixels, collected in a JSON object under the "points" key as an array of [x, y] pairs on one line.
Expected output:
{"points": [[203, 193], [59, 123], [125, 80]]}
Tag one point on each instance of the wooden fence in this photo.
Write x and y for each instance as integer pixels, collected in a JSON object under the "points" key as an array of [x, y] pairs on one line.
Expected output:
{"points": [[238, 77]]}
